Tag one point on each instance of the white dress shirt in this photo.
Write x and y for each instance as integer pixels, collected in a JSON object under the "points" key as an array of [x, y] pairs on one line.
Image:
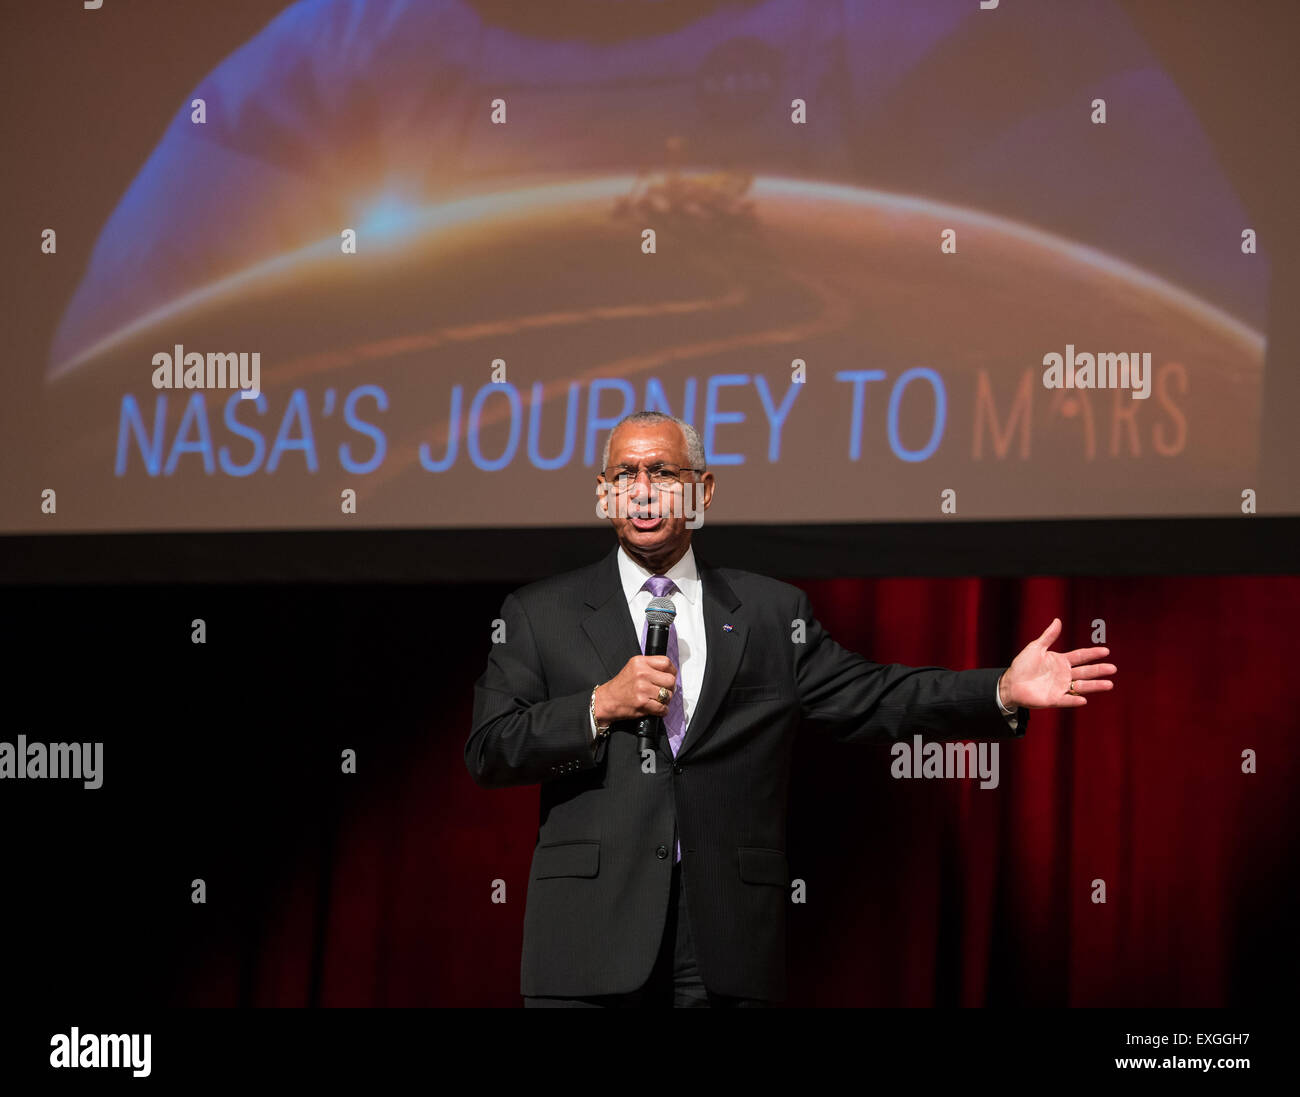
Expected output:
{"points": [[688, 600]]}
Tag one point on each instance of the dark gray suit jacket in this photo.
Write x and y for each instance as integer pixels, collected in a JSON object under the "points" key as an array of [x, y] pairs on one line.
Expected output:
{"points": [[599, 883]]}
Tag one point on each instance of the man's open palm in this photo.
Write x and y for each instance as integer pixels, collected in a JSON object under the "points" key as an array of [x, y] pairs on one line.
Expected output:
{"points": [[1040, 678]]}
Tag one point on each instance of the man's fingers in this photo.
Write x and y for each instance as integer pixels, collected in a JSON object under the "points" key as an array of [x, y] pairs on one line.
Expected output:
{"points": [[657, 680], [1081, 686], [1051, 632], [1086, 655], [1095, 670]]}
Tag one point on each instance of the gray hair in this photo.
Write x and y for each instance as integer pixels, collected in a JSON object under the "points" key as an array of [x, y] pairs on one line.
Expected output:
{"points": [[694, 447]]}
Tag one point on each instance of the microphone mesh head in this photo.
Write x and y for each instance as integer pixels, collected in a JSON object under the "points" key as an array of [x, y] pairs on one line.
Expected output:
{"points": [[660, 611]]}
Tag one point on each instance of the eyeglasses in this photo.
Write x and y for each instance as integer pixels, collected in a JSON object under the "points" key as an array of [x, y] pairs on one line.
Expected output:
{"points": [[661, 475]]}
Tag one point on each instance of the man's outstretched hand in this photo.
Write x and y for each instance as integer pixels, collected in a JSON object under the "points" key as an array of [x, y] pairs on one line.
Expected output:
{"points": [[1042, 679]]}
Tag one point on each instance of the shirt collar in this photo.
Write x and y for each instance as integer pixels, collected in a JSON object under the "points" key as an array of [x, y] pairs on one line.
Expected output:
{"points": [[684, 573]]}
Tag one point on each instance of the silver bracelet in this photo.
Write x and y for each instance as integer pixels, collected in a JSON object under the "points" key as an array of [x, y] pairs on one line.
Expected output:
{"points": [[601, 730]]}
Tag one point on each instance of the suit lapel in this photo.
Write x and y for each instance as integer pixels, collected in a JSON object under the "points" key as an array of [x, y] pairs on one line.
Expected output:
{"points": [[722, 655], [610, 626]]}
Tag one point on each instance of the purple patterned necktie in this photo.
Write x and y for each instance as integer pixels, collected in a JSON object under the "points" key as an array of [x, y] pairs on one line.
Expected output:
{"points": [[660, 586]]}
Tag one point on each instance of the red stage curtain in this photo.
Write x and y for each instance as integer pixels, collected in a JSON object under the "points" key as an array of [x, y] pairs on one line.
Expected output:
{"points": [[918, 892]]}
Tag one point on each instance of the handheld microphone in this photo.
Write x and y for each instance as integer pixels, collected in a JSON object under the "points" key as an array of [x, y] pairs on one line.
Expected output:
{"points": [[659, 616]]}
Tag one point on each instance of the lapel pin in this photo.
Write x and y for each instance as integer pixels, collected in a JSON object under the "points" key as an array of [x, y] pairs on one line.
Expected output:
{"points": [[726, 628]]}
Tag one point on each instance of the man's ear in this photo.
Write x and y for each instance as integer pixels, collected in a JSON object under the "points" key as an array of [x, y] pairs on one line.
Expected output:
{"points": [[701, 498], [709, 483]]}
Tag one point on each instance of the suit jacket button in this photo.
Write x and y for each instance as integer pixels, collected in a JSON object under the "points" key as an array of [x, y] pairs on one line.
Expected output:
{"points": [[661, 852], [676, 768]]}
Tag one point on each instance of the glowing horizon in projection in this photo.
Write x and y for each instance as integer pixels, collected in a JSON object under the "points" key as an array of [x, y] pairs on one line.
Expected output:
{"points": [[391, 223]]}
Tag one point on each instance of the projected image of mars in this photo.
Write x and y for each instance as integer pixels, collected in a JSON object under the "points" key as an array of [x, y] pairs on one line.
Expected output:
{"points": [[922, 371], [448, 316]]}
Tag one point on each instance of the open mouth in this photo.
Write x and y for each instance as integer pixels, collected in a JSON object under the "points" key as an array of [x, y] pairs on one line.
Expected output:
{"points": [[646, 523]]}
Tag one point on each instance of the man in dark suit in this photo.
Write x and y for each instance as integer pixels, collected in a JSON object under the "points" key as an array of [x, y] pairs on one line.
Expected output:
{"points": [[661, 878]]}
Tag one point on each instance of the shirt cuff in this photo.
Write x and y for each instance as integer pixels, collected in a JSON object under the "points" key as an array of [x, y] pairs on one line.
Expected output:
{"points": [[1012, 719], [997, 690]]}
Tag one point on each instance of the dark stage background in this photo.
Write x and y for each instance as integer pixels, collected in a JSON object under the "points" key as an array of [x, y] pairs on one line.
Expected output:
{"points": [[222, 762]]}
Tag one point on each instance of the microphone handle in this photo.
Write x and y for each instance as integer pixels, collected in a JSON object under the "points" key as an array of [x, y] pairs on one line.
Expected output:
{"points": [[648, 734], [650, 727]]}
